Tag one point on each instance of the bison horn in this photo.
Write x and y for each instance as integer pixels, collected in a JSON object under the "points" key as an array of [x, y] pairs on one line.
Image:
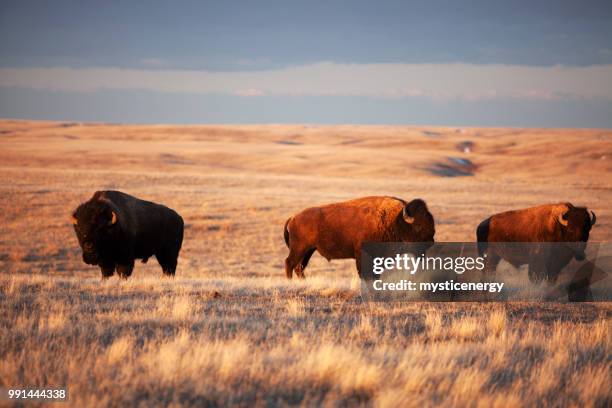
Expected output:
{"points": [[562, 220], [407, 218], [593, 219], [113, 219], [74, 219]]}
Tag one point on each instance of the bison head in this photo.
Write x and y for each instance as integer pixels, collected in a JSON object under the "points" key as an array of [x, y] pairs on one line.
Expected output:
{"points": [[416, 214], [575, 224], [94, 222]]}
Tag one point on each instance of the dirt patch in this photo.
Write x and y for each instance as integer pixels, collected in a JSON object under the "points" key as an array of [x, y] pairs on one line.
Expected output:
{"points": [[431, 133], [453, 167], [174, 159], [289, 142]]}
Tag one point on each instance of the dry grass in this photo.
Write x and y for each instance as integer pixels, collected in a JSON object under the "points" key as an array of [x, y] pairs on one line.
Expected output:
{"points": [[229, 330], [126, 343]]}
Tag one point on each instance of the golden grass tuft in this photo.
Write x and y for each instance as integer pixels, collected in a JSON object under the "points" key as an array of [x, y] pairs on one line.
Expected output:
{"points": [[182, 308], [120, 349], [295, 307], [467, 329], [497, 322], [55, 321], [433, 324]]}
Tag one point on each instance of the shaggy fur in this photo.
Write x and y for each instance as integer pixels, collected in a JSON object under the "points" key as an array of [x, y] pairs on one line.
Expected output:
{"points": [[114, 229], [338, 230], [537, 224]]}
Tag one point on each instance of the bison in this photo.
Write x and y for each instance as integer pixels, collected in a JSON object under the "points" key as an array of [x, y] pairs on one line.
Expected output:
{"points": [[338, 230], [564, 224], [114, 229]]}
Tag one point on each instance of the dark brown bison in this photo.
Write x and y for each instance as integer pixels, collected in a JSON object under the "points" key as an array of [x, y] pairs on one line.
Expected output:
{"points": [[563, 224], [338, 230], [114, 229]]}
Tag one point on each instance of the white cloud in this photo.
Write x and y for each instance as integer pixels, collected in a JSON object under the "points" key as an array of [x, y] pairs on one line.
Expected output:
{"points": [[437, 81]]}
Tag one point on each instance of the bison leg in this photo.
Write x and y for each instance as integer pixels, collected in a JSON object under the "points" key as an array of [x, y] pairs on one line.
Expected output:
{"points": [[299, 269], [358, 265], [168, 262], [125, 270], [537, 270], [292, 261], [168, 267], [358, 262], [297, 260], [554, 266], [288, 268], [535, 274], [552, 274], [369, 277], [107, 270], [360, 273], [579, 288]]}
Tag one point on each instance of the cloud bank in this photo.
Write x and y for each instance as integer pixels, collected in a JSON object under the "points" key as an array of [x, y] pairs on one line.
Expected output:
{"points": [[435, 81]]}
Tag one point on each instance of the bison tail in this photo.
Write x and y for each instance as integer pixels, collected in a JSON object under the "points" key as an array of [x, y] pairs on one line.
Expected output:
{"points": [[482, 235], [286, 232]]}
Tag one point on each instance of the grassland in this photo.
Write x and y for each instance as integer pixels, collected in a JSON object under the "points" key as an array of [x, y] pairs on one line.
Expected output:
{"points": [[229, 329]]}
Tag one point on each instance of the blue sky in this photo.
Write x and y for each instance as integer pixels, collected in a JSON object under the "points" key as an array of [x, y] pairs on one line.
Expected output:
{"points": [[481, 63]]}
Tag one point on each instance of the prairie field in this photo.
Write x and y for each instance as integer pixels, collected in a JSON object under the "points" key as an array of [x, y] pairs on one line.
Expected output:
{"points": [[229, 329]]}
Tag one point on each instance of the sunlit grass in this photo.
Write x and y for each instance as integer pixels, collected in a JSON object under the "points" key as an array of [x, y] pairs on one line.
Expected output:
{"points": [[232, 341]]}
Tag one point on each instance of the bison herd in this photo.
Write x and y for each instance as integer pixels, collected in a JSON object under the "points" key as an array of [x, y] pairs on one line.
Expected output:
{"points": [[114, 229]]}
